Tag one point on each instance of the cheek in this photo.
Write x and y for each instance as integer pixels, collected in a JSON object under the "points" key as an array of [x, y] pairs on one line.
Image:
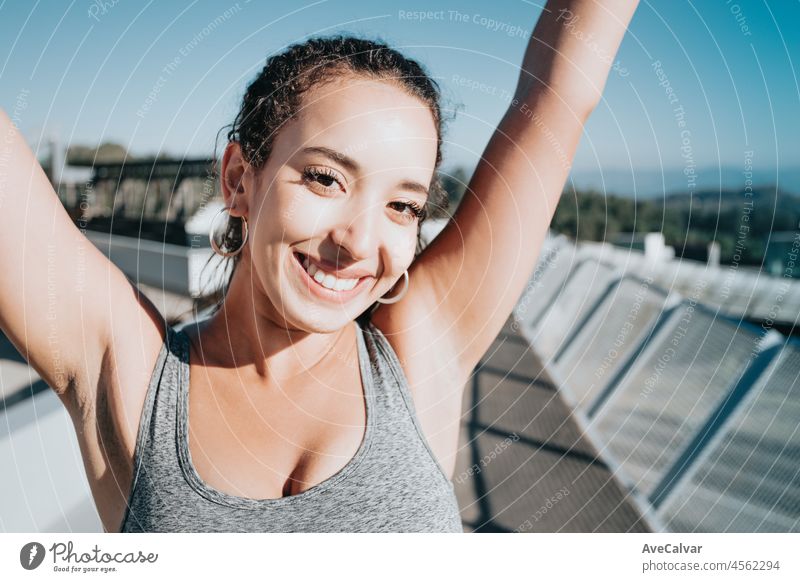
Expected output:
{"points": [[284, 216], [401, 250]]}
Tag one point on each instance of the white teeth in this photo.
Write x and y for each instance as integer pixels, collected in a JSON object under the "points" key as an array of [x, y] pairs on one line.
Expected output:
{"points": [[327, 280]]}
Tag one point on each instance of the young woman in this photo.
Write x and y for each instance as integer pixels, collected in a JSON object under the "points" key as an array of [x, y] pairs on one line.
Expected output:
{"points": [[325, 392]]}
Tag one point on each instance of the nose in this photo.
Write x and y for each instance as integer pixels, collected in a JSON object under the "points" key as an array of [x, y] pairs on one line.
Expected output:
{"points": [[357, 235]]}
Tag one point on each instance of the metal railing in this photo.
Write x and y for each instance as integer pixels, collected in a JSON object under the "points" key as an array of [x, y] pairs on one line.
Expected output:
{"points": [[694, 406]]}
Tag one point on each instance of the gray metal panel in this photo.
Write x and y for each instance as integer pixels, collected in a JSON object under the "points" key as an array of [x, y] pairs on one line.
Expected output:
{"points": [[555, 263], [682, 277], [585, 284], [748, 480], [734, 291], [682, 376], [609, 338], [779, 301]]}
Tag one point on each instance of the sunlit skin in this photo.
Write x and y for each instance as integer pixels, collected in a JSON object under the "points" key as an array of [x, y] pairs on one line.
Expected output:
{"points": [[354, 218], [276, 402], [339, 187]]}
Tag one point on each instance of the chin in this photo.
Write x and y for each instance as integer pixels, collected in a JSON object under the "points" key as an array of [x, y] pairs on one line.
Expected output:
{"points": [[315, 318]]}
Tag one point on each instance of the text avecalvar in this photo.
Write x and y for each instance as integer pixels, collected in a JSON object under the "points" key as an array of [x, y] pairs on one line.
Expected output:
{"points": [[671, 549]]}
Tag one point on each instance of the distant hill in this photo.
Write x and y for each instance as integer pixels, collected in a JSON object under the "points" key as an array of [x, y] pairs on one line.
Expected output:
{"points": [[741, 224], [655, 183], [768, 209]]}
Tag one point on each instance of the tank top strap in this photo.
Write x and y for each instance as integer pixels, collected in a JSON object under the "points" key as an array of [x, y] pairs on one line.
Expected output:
{"points": [[158, 421], [394, 400], [387, 372]]}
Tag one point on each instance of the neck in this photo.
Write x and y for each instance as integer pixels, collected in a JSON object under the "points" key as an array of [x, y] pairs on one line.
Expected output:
{"points": [[249, 334]]}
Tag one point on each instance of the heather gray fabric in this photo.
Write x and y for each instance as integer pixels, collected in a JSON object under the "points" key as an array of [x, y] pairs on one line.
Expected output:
{"points": [[392, 484]]}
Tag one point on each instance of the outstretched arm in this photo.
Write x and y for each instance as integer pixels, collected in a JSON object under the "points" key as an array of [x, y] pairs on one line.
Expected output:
{"points": [[71, 313], [471, 276]]}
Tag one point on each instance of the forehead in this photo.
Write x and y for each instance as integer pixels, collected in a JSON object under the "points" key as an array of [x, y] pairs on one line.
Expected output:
{"points": [[377, 123]]}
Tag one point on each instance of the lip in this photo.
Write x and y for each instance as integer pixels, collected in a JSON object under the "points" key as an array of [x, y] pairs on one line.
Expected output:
{"points": [[328, 267], [323, 292]]}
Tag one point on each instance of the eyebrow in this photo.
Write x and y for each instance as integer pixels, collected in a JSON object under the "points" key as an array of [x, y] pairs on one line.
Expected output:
{"points": [[351, 165]]}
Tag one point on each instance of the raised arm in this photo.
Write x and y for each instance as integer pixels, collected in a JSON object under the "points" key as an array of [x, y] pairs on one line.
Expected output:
{"points": [[71, 313], [474, 272]]}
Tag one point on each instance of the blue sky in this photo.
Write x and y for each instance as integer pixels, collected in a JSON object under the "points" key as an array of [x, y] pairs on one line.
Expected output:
{"points": [[92, 71]]}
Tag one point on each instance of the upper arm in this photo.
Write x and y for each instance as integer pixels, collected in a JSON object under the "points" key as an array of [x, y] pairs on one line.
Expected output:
{"points": [[465, 284], [61, 299], [479, 265]]}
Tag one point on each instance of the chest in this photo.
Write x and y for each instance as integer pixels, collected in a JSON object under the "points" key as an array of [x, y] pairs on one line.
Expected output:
{"points": [[266, 443]]}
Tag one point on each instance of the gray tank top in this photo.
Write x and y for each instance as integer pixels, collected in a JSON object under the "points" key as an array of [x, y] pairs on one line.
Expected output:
{"points": [[392, 484]]}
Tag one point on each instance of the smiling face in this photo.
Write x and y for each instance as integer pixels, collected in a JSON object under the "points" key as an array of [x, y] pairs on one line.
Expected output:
{"points": [[333, 213]]}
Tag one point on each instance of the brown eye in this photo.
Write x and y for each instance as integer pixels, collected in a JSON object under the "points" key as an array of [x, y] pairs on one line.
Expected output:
{"points": [[409, 209], [323, 177], [325, 180]]}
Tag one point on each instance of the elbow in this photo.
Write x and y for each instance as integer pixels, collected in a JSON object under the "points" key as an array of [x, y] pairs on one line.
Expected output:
{"points": [[581, 106]]}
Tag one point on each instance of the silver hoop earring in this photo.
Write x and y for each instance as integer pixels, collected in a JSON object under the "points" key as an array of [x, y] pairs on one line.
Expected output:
{"points": [[400, 295], [213, 241]]}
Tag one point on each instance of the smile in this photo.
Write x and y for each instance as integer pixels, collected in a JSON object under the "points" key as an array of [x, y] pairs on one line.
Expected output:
{"points": [[326, 285]]}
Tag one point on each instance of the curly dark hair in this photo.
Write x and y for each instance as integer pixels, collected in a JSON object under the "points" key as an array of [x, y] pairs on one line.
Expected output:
{"points": [[275, 96]]}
